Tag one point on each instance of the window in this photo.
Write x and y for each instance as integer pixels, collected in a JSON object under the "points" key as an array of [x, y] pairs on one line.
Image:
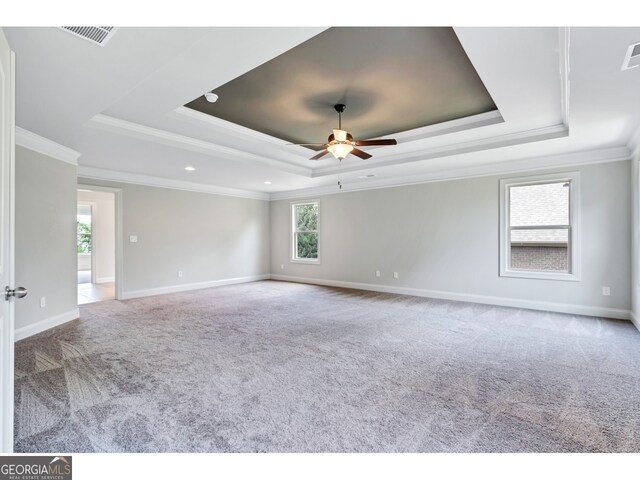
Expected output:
{"points": [[83, 227], [304, 216], [539, 227]]}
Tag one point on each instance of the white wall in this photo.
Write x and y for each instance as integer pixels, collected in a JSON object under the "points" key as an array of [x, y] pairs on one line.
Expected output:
{"points": [[210, 238], [103, 231], [45, 238], [442, 238]]}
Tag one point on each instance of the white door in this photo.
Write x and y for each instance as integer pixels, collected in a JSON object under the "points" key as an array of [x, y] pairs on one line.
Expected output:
{"points": [[7, 142]]}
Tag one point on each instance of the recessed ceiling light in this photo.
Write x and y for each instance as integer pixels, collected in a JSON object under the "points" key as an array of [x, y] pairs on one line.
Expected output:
{"points": [[366, 176], [190, 169], [211, 97], [267, 182]]}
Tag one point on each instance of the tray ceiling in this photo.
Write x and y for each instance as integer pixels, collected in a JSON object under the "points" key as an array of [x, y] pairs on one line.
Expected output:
{"points": [[391, 79]]}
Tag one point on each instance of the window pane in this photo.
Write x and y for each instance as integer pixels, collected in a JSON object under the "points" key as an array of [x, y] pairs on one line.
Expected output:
{"points": [[306, 245], [540, 249], [84, 237], [546, 204], [307, 217]]}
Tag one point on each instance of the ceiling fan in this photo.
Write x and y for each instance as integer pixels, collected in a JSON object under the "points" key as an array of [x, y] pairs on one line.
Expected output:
{"points": [[341, 143]]}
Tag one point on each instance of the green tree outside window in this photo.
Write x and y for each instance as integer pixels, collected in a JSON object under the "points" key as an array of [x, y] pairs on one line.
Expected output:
{"points": [[306, 231], [84, 237]]}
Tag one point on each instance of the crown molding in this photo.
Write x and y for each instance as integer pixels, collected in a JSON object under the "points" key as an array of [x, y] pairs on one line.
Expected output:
{"points": [[135, 130], [489, 143], [47, 147], [533, 164], [451, 126], [284, 151], [149, 181], [460, 125], [573, 159], [443, 128], [194, 117]]}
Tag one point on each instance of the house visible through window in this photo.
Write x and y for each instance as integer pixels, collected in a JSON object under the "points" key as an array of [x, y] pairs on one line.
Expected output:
{"points": [[304, 217], [539, 235]]}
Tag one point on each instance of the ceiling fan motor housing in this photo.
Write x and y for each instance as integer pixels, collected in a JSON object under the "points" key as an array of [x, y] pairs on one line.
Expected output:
{"points": [[332, 139]]}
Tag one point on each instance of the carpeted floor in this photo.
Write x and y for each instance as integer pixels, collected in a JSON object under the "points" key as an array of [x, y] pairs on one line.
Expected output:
{"points": [[280, 367]]}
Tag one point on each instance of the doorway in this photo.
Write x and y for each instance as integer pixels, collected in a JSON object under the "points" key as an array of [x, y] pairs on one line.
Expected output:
{"points": [[96, 245]]}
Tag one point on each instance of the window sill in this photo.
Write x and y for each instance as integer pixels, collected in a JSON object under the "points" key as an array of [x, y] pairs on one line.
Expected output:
{"points": [[566, 277], [306, 262]]}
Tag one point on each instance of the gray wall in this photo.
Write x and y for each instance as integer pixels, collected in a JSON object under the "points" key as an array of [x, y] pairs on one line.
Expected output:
{"points": [[444, 236], [45, 237], [208, 237]]}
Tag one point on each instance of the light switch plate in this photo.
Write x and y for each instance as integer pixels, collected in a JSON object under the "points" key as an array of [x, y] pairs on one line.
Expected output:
{"points": [[133, 238]]}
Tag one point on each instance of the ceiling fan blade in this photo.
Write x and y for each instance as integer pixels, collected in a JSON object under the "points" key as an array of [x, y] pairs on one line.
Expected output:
{"points": [[360, 153], [318, 144], [382, 141], [340, 135], [320, 155]]}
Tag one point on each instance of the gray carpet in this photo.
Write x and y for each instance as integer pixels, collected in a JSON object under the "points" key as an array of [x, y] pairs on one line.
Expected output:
{"points": [[282, 367]]}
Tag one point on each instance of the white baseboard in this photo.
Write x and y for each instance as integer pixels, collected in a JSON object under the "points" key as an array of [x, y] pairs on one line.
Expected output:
{"points": [[106, 280], [464, 297], [191, 286], [634, 319], [46, 324]]}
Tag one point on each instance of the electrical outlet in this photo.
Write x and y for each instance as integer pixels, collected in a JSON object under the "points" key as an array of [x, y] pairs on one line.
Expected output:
{"points": [[179, 273], [606, 291], [282, 266], [377, 273], [43, 302], [133, 238], [395, 275]]}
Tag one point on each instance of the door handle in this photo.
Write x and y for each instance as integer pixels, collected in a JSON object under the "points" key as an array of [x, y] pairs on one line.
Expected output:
{"points": [[18, 292]]}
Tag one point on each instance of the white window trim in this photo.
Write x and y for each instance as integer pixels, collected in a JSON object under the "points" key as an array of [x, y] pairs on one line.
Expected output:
{"points": [[292, 233], [574, 222]]}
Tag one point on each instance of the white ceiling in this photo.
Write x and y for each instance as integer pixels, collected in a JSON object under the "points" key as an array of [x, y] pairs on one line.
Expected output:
{"points": [[559, 92]]}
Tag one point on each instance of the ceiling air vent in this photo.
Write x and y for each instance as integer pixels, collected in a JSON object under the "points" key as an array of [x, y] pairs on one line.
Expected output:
{"points": [[97, 35], [632, 58]]}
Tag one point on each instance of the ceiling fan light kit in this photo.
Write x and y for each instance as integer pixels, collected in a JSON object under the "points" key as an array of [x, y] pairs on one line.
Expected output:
{"points": [[340, 143], [340, 150]]}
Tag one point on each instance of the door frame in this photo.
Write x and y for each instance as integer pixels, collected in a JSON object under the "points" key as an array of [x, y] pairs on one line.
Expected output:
{"points": [[92, 207], [7, 362], [118, 233]]}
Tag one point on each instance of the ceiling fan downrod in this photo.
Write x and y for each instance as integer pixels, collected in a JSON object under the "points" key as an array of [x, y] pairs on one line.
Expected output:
{"points": [[340, 107]]}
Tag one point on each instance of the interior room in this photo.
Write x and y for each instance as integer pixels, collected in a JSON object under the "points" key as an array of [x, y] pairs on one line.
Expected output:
{"points": [[234, 240]]}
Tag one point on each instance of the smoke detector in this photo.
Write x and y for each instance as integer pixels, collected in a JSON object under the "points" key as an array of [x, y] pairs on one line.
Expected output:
{"points": [[632, 58], [211, 97]]}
